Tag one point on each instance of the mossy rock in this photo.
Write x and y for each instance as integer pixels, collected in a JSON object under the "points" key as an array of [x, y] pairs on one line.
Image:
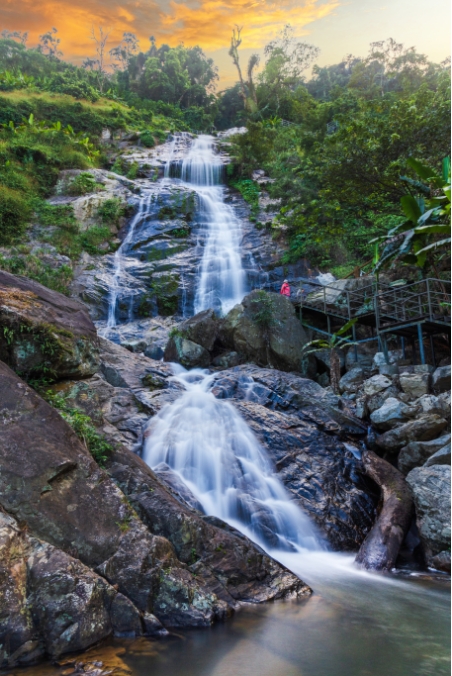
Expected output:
{"points": [[44, 334]]}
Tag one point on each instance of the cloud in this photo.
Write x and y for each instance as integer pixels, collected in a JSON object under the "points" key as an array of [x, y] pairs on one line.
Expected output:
{"points": [[205, 22]]}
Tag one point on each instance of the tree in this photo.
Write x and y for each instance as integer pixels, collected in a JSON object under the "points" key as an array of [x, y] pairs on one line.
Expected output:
{"points": [[247, 88], [122, 54], [100, 39], [333, 344], [49, 44]]}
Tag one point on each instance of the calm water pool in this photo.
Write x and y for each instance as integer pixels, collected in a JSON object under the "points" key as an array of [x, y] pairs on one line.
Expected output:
{"points": [[355, 624]]}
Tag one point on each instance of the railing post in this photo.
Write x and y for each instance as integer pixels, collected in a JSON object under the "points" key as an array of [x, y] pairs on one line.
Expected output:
{"points": [[430, 313], [354, 340], [421, 343]]}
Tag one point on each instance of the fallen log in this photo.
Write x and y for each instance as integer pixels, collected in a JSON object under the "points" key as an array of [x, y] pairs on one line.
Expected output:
{"points": [[380, 549]]}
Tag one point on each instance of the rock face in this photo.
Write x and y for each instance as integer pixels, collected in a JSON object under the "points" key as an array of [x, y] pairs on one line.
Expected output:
{"points": [[351, 381], [44, 332], [50, 602], [50, 483], [300, 428], [265, 330], [186, 352], [431, 492]]}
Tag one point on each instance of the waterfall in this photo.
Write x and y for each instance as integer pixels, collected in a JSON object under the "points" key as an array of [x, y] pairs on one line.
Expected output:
{"points": [[221, 280], [119, 266], [211, 448]]}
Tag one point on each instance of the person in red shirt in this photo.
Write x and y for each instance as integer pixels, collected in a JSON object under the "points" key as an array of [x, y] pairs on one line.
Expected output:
{"points": [[285, 289]]}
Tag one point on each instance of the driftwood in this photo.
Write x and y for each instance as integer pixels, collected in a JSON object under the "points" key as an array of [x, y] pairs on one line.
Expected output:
{"points": [[380, 549]]}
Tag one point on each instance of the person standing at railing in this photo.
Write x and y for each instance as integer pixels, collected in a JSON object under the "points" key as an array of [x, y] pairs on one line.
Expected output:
{"points": [[285, 289]]}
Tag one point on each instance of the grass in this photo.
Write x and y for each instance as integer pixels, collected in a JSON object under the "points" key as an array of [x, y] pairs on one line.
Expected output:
{"points": [[82, 425]]}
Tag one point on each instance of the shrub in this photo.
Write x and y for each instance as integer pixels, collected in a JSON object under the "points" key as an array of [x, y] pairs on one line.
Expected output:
{"points": [[15, 211], [147, 139], [82, 184], [111, 211]]}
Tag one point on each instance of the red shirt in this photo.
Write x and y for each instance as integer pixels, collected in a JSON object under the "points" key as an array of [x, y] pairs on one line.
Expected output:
{"points": [[285, 290]]}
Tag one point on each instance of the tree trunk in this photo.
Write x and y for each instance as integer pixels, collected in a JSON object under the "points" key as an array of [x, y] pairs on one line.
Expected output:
{"points": [[381, 547], [335, 370]]}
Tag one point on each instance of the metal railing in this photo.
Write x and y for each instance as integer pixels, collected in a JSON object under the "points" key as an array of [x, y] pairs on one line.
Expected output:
{"points": [[426, 300]]}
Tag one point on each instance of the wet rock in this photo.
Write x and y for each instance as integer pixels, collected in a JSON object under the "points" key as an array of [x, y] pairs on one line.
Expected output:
{"points": [[177, 487], [50, 602], [424, 428], [416, 453], [227, 563], [201, 329], [441, 379], [415, 384], [431, 492], [227, 360], [351, 381], [300, 427], [186, 352], [265, 329], [44, 332], [441, 457], [376, 384], [50, 481], [391, 414]]}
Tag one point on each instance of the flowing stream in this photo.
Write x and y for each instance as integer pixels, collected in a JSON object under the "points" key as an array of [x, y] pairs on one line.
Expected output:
{"points": [[221, 283], [356, 623]]}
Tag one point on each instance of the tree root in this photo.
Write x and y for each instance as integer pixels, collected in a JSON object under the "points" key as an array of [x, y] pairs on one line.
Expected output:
{"points": [[380, 549]]}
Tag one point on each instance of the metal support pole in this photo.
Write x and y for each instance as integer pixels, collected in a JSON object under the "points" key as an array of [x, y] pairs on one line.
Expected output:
{"points": [[354, 340], [413, 348], [421, 343], [432, 349], [385, 350]]}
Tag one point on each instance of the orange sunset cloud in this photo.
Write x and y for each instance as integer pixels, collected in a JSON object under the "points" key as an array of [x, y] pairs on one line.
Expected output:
{"points": [[207, 22]]}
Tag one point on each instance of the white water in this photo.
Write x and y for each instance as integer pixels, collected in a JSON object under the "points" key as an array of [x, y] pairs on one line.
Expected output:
{"points": [[212, 449], [221, 283], [119, 265]]}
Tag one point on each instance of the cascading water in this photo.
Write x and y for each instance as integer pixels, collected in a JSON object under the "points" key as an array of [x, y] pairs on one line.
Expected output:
{"points": [[212, 449], [119, 265], [221, 283]]}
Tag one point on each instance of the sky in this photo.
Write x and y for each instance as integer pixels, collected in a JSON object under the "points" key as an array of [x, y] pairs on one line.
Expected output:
{"points": [[337, 27]]}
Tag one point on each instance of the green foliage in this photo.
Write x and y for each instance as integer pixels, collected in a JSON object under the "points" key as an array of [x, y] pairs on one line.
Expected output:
{"points": [[83, 426], [82, 184], [33, 267], [249, 191], [15, 211], [165, 291], [111, 210], [147, 139], [427, 228]]}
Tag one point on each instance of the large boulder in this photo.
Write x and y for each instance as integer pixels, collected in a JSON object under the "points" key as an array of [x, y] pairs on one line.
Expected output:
{"points": [[350, 382], [183, 351], [50, 482], [415, 384], [201, 329], [424, 428], [392, 413], [441, 379], [43, 332], [264, 329], [50, 602], [416, 453], [431, 492]]}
